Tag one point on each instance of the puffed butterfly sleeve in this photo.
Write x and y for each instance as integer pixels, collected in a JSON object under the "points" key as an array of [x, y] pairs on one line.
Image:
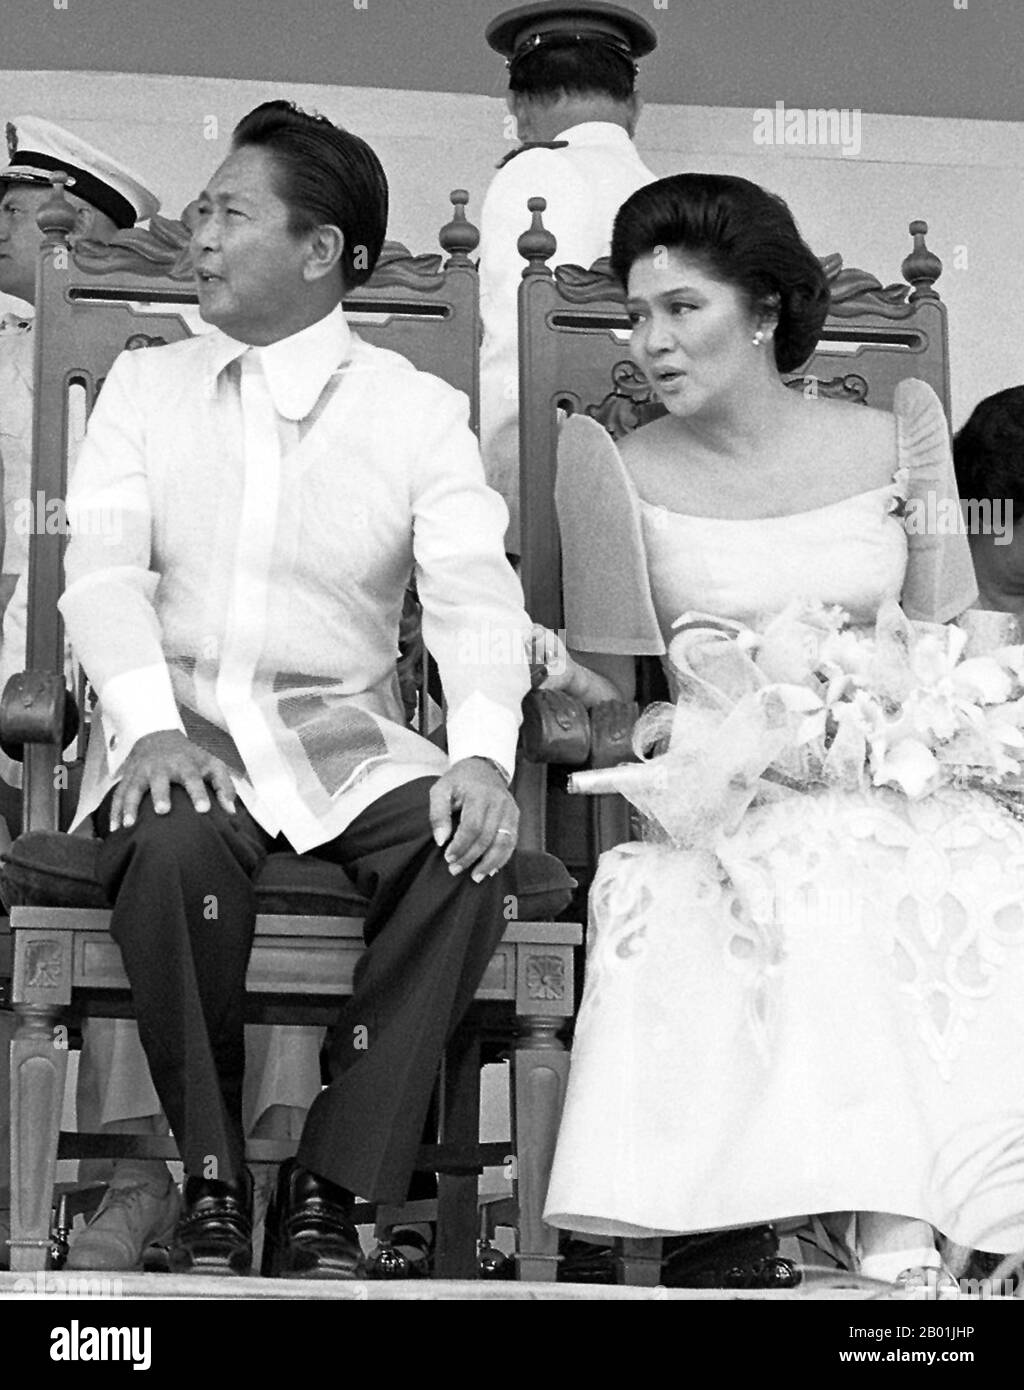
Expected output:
{"points": [[607, 592], [939, 582]]}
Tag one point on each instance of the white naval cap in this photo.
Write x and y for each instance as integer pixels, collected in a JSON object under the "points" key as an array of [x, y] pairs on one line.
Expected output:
{"points": [[37, 147]]}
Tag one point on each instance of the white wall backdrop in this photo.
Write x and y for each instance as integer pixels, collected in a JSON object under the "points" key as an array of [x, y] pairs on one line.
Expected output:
{"points": [[963, 177]]}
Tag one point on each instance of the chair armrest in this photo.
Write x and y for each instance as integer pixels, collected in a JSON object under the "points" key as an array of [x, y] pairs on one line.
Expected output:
{"points": [[36, 708], [611, 727], [556, 729]]}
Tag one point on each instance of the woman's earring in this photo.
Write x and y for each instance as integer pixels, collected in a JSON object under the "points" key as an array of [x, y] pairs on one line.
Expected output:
{"points": [[758, 338]]}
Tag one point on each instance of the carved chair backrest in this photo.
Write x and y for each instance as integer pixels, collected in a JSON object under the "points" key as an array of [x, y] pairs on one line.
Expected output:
{"points": [[876, 336], [95, 301], [574, 356]]}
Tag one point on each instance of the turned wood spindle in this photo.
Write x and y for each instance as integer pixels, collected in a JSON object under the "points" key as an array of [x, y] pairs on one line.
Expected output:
{"points": [[56, 217], [537, 245], [459, 237], [922, 267], [539, 1034]]}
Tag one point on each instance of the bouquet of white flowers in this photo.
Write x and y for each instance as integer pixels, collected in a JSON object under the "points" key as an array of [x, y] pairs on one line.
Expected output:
{"points": [[812, 700]]}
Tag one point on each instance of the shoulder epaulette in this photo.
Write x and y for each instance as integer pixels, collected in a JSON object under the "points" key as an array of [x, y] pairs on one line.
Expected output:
{"points": [[532, 145]]}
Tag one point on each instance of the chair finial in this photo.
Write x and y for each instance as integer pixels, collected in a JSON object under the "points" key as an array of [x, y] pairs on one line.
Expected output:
{"points": [[537, 245], [922, 267], [56, 217], [459, 237]]}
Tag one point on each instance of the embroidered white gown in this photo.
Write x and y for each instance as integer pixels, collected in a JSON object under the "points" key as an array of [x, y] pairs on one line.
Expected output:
{"points": [[824, 1013]]}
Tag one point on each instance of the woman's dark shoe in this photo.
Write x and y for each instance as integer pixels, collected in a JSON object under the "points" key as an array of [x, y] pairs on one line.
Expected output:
{"points": [[214, 1232], [773, 1273], [310, 1232]]}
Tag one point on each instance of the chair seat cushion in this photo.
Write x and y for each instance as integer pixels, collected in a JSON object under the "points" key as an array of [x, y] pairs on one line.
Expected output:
{"points": [[45, 868]]}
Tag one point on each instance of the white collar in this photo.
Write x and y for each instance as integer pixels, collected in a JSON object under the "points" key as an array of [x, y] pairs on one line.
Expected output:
{"points": [[595, 133], [297, 368]]}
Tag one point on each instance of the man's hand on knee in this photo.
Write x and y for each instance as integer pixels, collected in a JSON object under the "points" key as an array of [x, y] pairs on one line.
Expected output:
{"points": [[159, 761], [488, 818]]}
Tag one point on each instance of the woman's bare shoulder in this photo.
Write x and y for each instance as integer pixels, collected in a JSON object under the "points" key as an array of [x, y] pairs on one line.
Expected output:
{"points": [[854, 419], [648, 441], [859, 438]]}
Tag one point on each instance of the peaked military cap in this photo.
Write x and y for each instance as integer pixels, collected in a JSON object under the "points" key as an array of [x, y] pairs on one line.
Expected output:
{"points": [[37, 148], [529, 27]]}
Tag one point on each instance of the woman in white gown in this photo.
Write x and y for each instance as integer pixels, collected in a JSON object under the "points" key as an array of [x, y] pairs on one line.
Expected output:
{"points": [[822, 1015]]}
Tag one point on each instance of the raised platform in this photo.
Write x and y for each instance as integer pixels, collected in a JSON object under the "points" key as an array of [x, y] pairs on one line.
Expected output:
{"points": [[103, 1287]]}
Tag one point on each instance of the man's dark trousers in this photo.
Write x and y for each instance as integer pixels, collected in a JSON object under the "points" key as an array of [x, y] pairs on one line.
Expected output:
{"points": [[184, 916]]}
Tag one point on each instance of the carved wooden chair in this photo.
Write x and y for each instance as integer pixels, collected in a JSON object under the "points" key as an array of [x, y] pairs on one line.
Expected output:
{"points": [[574, 357], [90, 305]]}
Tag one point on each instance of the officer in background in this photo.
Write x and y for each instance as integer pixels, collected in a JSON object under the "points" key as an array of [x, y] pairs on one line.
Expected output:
{"points": [[106, 198], [572, 76]]}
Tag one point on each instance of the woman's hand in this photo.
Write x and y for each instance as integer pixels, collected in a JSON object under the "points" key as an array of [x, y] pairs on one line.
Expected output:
{"points": [[548, 650], [565, 673]]}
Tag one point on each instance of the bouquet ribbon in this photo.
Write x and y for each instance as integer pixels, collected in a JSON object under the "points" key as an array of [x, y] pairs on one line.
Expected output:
{"points": [[811, 700]]}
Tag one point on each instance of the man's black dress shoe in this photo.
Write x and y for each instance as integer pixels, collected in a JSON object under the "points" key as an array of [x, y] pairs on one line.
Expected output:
{"points": [[214, 1231], [310, 1232], [744, 1258]]}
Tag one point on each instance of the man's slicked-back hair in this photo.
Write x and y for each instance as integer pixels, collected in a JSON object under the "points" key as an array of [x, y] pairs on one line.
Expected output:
{"points": [[325, 175], [988, 451], [575, 68], [745, 236]]}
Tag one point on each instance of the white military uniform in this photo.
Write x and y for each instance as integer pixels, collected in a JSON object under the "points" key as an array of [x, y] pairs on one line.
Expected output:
{"points": [[585, 183], [19, 513], [16, 475], [15, 445], [15, 435]]}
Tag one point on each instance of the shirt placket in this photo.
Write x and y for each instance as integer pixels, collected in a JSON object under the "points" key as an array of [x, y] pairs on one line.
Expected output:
{"points": [[245, 628]]}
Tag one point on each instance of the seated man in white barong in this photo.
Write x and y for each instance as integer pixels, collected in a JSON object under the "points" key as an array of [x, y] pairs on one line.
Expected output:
{"points": [[115, 1093], [275, 484]]}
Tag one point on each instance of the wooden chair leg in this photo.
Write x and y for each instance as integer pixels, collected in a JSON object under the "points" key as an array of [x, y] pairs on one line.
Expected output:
{"points": [[638, 1261], [540, 1073], [39, 1063], [458, 1193]]}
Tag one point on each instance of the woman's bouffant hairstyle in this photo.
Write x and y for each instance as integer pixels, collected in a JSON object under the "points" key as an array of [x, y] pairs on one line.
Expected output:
{"points": [[746, 236], [988, 452], [326, 175]]}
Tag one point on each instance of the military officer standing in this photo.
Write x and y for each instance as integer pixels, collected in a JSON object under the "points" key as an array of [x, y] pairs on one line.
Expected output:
{"points": [[107, 198], [572, 77]]}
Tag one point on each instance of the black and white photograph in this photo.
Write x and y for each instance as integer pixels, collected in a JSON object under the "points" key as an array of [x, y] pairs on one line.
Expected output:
{"points": [[512, 671]]}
